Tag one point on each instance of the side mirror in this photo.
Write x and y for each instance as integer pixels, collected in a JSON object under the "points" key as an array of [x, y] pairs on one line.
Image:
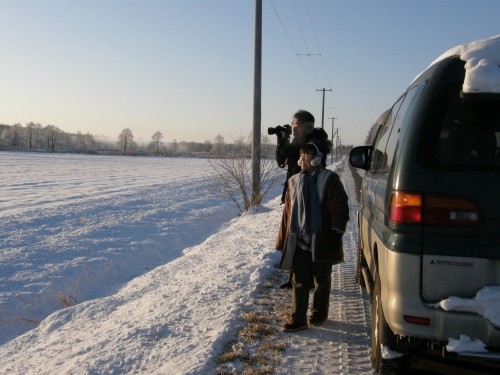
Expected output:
{"points": [[359, 157]]}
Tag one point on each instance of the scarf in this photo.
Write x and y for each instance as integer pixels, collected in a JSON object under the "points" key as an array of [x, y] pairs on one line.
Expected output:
{"points": [[306, 216]]}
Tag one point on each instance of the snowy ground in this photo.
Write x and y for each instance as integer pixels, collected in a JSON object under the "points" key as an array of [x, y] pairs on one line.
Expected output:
{"points": [[155, 270]]}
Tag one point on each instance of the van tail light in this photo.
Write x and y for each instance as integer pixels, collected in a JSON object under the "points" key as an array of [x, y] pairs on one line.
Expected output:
{"points": [[424, 321], [450, 211], [406, 208], [413, 208]]}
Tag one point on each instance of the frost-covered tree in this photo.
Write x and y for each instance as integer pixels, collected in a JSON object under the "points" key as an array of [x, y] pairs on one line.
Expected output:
{"points": [[218, 144], [52, 134], [83, 142], [14, 137], [126, 141], [156, 143]]}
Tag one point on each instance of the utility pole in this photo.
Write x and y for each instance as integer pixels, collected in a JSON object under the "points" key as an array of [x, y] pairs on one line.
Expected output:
{"points": [[333, 119], [257, 96], [323, 108], [338, 144]]}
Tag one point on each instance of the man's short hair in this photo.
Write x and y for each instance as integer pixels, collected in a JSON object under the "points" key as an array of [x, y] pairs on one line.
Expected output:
{"points": [[304, 116], [306, 119]]}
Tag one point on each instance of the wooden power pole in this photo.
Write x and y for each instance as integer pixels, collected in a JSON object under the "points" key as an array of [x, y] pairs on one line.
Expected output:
{"points": [[257, 105], [323, 107], [333, 119]]}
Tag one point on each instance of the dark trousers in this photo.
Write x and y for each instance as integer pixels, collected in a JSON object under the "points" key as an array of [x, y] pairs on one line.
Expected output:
{"points": [[305, 270]]}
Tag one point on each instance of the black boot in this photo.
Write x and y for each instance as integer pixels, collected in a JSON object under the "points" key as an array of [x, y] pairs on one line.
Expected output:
{"points": [[288, 284]]}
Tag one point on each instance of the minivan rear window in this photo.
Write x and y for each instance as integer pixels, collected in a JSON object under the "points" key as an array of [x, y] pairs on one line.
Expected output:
{"points": [[469, 132]]}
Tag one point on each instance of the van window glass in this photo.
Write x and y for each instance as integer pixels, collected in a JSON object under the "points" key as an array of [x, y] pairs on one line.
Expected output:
{"points": [[403, 113], [372, 134], [469, 133], [385, 146], [378, 157]]}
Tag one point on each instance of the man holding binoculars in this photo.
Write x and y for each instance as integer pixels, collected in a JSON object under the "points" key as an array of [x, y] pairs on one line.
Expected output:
{"points": [[288, 153]]}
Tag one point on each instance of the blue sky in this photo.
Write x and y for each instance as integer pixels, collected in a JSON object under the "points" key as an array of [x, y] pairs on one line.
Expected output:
{"points": [[185, 67]]}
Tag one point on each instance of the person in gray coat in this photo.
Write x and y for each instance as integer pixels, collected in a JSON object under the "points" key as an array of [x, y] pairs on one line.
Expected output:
{"points": [[314, 219]]}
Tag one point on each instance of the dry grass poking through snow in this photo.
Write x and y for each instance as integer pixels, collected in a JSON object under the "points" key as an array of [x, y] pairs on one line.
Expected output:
{"points": [[258, 346]]}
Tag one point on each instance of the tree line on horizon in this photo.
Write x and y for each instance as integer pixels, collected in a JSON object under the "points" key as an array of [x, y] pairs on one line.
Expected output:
{"points": [[33, 137]]}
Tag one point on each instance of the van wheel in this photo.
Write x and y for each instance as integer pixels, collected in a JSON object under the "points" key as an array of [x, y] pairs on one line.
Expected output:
{"points": [[384, 339], [360, 264]]}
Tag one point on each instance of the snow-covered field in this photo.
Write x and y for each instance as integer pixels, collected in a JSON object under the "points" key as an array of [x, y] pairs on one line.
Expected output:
{"points": [[156, 269], [76, 227]]}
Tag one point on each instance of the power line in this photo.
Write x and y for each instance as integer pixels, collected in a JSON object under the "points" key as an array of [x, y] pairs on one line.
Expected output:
{"points": [[305, 42], [291, 43], [318, 47], [317, 43], [309, 55], [284, 28], [300, 26]]}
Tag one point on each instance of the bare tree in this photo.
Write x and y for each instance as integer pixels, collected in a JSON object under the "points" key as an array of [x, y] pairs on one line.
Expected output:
{"points": [[30, 135], [38, 132], [174, 146], [126, 141], [82, 142], [14, 136], [52, 134], [90, 142], [156, 143], [232, 175], [218, 145]]}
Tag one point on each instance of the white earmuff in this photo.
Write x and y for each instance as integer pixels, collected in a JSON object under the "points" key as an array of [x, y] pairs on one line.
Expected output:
{"points": [[316, 161], [319, 155]]}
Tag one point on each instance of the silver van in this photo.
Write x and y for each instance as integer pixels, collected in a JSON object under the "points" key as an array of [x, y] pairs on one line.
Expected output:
{"points": [[429, 217]]}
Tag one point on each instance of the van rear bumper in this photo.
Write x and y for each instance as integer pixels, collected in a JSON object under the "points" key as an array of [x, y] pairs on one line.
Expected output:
{"points": [[442, 326], [401, 299]]}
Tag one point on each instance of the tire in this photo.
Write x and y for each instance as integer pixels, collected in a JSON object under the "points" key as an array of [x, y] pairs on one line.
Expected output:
{"points": [[382, 335], [360, 264]]}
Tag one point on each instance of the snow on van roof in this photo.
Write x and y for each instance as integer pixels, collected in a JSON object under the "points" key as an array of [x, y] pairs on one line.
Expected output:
{"points": [[482, 65]]}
